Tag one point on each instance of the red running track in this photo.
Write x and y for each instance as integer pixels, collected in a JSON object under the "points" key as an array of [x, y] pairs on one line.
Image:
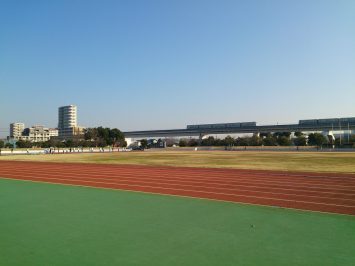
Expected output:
{"points": [[324, 192]]}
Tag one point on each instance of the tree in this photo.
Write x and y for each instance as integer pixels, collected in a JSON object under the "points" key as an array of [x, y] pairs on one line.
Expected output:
{"points": [[170, 142], [104, 135], [2, 144], [352, 139], [269, 141], [316, 139], [117, 137], [9, 145], [219, 142], [242, 141], [300, 141], [298, 134], [24, 144], [123, 143], [182, 143], [264, 135], [210, 141], [69, 143], [144, 143], [255, 141], [284, 141], [101, 136], [90, 134], [101, 142], [229, 141], [282, 134], [192, 143]]}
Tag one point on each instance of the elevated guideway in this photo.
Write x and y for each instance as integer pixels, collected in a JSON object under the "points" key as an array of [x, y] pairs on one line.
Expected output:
{"points": [[199, 132]]}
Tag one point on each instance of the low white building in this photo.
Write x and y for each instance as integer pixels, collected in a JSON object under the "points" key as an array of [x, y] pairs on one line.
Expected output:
{"points": [[36, 133]]}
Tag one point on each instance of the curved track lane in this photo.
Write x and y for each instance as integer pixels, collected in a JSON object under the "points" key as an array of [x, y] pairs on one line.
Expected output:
{"points": [[323, 192]]}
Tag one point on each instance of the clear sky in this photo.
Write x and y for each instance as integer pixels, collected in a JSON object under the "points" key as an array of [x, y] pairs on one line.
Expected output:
{"points": [[164, 64]]}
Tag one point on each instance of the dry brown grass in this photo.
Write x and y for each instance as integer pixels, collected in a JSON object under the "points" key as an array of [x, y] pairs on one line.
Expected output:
{"points": [[266, 160]]}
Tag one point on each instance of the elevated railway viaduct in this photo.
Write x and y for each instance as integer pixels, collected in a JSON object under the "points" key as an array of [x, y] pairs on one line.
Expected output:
{"points": [[326, 126]]}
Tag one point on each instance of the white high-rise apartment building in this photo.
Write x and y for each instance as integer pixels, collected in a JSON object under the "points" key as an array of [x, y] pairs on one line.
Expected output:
{"points": [[68, 123], [16, 130], [67, 117]]}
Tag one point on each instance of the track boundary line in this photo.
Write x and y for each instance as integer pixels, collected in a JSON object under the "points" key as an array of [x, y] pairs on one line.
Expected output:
{"points": [[350, 175], [281, 189], [127, 181], [198, 191], [238, 181], [183, 196]]}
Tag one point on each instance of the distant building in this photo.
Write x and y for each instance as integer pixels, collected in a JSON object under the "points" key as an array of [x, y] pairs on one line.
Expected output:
{"points": [[36, 133], [67, 117], [71, 133], [53, 132], [16, 130], [68, 123]]}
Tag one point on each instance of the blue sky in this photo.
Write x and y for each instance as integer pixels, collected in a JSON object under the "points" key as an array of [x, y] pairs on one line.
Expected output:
{"points": [[164, 64]]}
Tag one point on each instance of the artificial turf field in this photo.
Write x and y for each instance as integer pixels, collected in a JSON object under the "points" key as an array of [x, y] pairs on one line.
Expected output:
{"points": [[53, 224], [47, 224]]}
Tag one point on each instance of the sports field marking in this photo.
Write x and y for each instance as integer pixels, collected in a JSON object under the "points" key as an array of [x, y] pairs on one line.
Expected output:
{"points": [[185, 190], [156, 181], [192, 179], [215, 171], [195, 183], [183, 196], [226, 175], [201, 178], [185, 183], [181, 169], [146, 178]]}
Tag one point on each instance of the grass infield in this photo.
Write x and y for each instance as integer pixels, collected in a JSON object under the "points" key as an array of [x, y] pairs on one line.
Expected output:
{"points": [[46, 224], [262, 160]]}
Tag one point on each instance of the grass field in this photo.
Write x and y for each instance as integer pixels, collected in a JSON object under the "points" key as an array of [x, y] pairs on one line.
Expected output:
{"points": [[44, 224], [288, 161]]}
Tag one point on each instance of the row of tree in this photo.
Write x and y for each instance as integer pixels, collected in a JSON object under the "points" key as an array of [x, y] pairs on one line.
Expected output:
{"points": [[5, 145], [58, 144], [276, 139], [103, 137], [93, 137]]}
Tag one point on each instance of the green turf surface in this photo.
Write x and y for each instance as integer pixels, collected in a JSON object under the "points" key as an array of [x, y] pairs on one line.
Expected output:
{"points": [[45, 224]]}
